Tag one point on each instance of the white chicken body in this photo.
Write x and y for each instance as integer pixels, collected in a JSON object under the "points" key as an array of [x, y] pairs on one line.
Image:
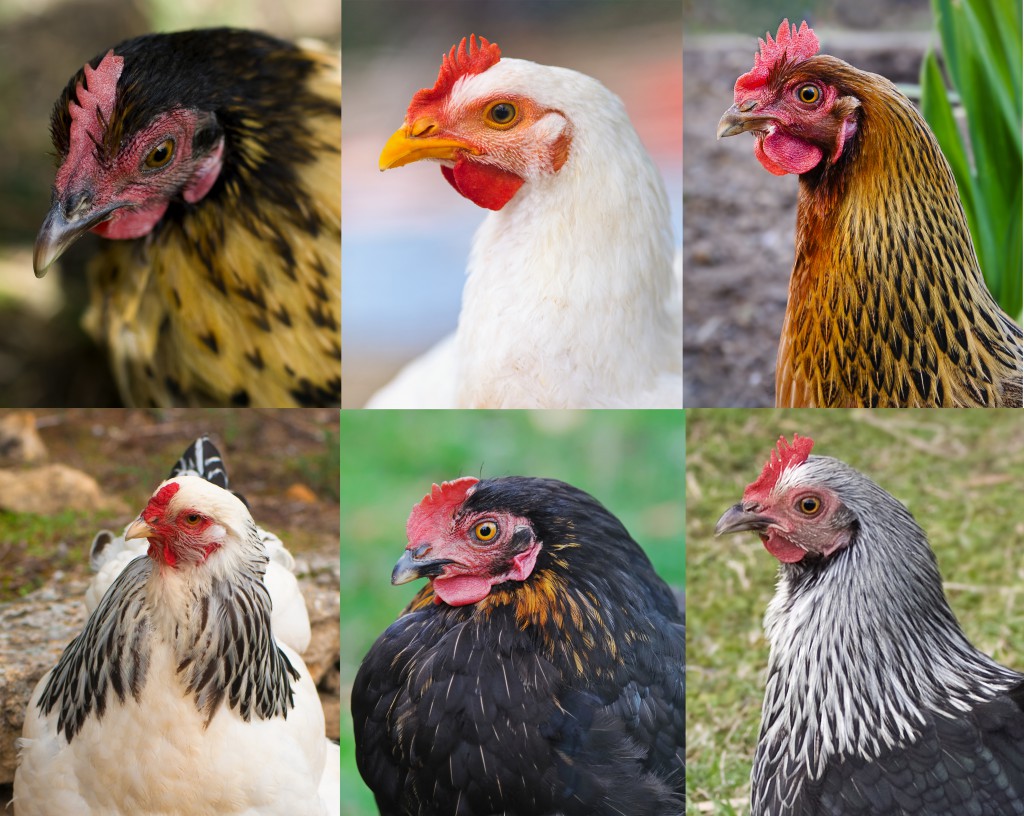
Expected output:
{"points": [[175, 700], [572, 300]]}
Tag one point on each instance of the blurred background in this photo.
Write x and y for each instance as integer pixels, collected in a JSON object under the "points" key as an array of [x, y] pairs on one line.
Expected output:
{"points": [[45, 358], [407, 233], [630, 461], [960, 473]]}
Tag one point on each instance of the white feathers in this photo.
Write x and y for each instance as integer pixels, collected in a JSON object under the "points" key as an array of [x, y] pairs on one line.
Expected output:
{"points": [[222, 717], [571, 299]]}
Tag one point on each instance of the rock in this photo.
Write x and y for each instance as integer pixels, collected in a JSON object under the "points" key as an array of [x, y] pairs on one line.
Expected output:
{"points": [[19, 439], [53, 489], [35, 630]]}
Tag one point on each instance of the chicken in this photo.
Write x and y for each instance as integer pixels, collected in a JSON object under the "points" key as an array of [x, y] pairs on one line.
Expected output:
{"points": [[209, 161], [177, 669], [540, 672], [289, 618], [572, 299], [876, 703], [887, 305]]}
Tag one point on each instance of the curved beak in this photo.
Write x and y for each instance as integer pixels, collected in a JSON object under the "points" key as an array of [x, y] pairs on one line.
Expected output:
{"points": [[412, 566], [138, 529], [412, 143], [738, 520], [740, 118], [64, 224]]}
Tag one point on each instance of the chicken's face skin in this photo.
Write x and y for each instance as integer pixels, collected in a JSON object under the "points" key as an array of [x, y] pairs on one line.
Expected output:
{"points": [[479, 121], [183, 534], [465, 553]]}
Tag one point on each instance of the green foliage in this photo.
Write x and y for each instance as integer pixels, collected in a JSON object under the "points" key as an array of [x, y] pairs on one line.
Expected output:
{"points": [[959, 472], [981, 46], [631, 461]]}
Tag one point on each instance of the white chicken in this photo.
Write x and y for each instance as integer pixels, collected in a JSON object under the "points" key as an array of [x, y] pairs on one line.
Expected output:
{"points": [[572, 298], [289, 618], [176, 698]]}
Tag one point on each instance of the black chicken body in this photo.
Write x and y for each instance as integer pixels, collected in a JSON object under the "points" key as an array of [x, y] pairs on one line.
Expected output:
{"points": [[561, 692]]}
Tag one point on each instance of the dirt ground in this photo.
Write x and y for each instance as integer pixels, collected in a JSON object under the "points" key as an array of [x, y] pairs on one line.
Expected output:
{"points": [[285, 463], [739, 220]]}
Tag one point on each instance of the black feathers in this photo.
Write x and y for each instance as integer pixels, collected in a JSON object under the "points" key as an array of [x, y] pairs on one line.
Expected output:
{"points": [[560, 694]]}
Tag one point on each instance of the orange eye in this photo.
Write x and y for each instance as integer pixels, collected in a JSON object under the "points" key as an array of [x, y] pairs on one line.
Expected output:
{"points": [[808, 94], [501, 114], [809, 505], [192, 519], [485, 531], [160, 155]]}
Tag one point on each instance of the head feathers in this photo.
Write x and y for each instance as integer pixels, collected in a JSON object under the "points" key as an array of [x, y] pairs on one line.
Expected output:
{"points": [[789, 46], [783, 457], [439, 503], [457, 63]]}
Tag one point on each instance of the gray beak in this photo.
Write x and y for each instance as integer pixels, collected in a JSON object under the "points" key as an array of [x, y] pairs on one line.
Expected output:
{"points": [[64, 224], [738, 520], [412, 566]]}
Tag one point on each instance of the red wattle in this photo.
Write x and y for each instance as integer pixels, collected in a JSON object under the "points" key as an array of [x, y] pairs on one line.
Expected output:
{"points": [[486, 186], [785, 551], [461, 590], [780, 153]]}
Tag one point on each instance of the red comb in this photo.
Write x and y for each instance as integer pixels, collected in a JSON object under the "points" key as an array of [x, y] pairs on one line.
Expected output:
{"points": [[438, 505], [459, 62], [790, 45], [158, 503], [784, 456], [90, 115]]}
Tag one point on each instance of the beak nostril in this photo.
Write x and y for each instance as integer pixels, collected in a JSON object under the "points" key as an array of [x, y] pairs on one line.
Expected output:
{"points": [[420, 551], [747, 106], [77, 202]]}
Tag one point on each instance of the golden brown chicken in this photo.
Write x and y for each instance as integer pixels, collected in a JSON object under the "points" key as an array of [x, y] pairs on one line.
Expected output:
{"points": [[210, 162], [887, 304]]}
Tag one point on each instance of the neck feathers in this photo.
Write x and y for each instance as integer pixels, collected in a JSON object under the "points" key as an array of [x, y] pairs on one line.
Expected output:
{"points": [[863, 647], [887, 303]]}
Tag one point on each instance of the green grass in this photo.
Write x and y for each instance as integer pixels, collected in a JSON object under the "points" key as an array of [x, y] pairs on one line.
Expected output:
{"points": [[960, 474], [631, 461], [29, 552]]}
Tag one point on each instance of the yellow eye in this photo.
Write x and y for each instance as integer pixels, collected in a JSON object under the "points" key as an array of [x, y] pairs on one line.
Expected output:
{"points": [[160, 155], [192, 519], [808, 94], [501, 114], [485, 530], [809, 505]]}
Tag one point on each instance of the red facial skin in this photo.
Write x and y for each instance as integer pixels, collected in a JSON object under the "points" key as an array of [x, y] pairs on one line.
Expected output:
{"points": [[184, 537], [804, 520], [438, 532], [143, 192]]}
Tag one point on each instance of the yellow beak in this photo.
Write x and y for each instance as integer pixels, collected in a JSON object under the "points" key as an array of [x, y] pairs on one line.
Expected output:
{"points": [[415, 142], [138, 529]]}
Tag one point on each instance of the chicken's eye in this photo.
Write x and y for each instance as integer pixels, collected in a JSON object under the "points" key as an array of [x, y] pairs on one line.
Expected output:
{"points": [[501, 115], [808, 94], [192, 519], [160, 155], [485, 531], [809, 505]]}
